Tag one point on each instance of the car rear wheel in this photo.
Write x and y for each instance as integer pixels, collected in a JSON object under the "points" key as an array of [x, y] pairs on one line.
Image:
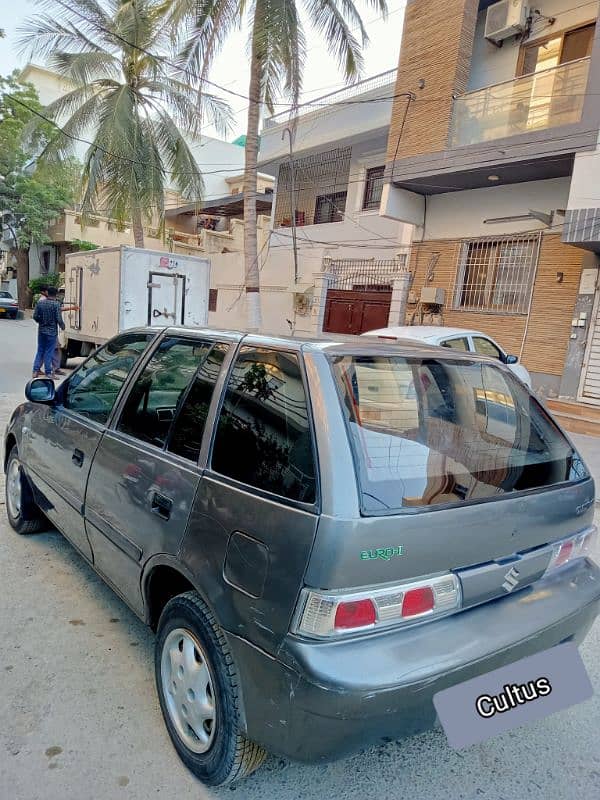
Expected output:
{"points": [[197, 686], [23, 514]]}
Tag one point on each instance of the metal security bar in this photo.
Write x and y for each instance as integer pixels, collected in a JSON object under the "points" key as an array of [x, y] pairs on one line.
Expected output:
{"points": [[364, 274], [320, 184], [496, 274]]}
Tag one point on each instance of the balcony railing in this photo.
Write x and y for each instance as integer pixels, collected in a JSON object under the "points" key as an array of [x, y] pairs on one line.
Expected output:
{"points": [[320, 104], [544, 99]]}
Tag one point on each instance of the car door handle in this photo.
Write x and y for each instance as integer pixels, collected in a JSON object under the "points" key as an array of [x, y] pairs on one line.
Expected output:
{"points": [[77, 457], [161, 505]]}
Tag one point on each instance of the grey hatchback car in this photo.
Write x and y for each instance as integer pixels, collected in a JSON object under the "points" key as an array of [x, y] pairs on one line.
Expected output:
{"points": [[318, 531]]}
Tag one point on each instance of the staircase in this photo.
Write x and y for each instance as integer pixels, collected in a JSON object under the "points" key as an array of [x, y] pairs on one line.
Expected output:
{"points": [[575, 417]]}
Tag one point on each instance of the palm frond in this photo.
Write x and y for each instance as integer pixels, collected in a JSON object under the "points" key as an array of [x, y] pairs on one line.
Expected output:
{"points": [[84, 68], [330, 21]]}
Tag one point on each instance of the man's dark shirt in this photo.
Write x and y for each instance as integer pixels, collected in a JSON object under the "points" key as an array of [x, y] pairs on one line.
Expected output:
{"points": [[48, 316]]}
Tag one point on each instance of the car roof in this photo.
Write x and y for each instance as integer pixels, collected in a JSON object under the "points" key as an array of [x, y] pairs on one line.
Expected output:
{"points": [[332, 343], [424, 332]]}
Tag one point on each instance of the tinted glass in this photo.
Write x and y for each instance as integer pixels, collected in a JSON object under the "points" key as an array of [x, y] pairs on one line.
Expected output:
{"points": [[263, 436], [457, 344], [186, 437], [437, 431], [6, 294], [486, 348], [156, 395], [92, 391]]}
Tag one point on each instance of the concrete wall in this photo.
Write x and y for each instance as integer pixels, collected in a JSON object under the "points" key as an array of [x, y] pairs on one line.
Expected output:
{"points": [[333, 125], [491, 64], [461, 214]]}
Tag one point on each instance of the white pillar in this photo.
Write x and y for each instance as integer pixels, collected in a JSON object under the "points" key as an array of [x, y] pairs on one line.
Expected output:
{"points": [[400, 289], [317, 316]]}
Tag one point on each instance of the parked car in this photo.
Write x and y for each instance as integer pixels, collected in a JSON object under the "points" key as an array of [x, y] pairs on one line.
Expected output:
{"points": [[458, 339], [9, 307], [318, 531]]}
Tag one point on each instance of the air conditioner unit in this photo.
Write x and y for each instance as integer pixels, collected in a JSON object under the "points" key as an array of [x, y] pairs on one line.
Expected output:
{"points": [[505, 19]]}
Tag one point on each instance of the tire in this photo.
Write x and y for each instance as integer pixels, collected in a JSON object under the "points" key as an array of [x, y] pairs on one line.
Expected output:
{"points": [[223, 755], [23, 514]]}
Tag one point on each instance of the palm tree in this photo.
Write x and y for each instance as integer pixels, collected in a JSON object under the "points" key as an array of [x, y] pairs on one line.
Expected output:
{"points": [[128, 99], [277, 55]]}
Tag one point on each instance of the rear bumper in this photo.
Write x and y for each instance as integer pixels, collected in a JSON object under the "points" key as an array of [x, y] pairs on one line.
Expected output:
{"points": [[319, 701]]}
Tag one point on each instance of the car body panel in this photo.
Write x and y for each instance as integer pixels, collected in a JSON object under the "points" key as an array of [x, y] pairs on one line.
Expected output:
{"points": [[54, 439], [353, 693], [124, 524]]}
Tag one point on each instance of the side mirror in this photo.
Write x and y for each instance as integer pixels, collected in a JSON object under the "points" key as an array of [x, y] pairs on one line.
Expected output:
{"points": [[40, 390], [512, 360]]}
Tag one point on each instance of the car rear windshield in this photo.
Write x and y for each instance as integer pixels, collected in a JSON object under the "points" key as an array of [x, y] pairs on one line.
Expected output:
{"points": [[439, 431]]}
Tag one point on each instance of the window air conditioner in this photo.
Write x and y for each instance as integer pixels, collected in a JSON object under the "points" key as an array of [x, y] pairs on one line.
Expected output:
{"points": [[505, 19]]}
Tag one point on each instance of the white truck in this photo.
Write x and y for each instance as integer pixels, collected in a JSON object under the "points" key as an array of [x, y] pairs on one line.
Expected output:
{"points": [[117, 288]]}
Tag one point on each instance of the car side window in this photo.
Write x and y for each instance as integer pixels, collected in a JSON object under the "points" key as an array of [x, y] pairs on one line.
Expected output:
{"points": [[461, 343], [93, 389], [263, 436], [155, 397], [484, 347], [186, 437]]}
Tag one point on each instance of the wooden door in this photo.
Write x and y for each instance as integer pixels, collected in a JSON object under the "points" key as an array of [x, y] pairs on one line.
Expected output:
{"points": [[353, 312]]}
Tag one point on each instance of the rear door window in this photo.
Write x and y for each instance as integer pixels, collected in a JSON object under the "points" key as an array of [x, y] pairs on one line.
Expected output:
{"points": [[155, 397], [188, 428], [428, 432], [263, 436]]}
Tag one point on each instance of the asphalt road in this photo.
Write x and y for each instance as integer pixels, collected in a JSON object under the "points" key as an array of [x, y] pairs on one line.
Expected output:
{"points": [[79, 718]]}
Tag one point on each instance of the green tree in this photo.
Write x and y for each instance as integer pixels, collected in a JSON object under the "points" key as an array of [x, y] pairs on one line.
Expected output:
{"points": [[32, 195], [128, 99], [277, 55]]}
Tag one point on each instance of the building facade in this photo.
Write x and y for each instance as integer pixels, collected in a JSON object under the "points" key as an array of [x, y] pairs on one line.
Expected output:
{"points": [[331, 261], [492, 156]]}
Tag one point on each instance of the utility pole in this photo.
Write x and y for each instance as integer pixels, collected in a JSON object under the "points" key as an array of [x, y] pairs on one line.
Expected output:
{"points": [[292, 200]]}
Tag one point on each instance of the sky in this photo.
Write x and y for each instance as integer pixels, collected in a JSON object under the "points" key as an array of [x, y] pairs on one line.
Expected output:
{"points": [[230, 69]]}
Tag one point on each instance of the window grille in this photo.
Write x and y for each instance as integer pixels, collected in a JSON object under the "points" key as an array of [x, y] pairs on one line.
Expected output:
{"points": [[320, 184], [496, 274], [364, 275], [373, 188]]}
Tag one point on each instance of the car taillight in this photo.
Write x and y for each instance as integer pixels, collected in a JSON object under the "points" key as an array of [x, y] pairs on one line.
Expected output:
{"points": [[325, 614], [568, 550]]}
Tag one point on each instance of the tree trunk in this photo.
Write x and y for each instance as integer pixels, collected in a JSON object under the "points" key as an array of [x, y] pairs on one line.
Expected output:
{"points": [[251, 265], [137, 227], [22, 256]]}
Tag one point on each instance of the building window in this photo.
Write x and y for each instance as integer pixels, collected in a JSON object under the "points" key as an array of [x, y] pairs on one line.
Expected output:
{"points": [[330, 208], [213, 295], [373, 188], [313, 187], [496, 274]]}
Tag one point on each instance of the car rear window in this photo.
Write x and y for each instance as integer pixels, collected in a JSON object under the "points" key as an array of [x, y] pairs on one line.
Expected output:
{"points": [[439, 431]]}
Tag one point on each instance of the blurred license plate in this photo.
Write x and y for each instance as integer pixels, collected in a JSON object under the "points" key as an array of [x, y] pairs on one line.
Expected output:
{"points": [[518, 693]]}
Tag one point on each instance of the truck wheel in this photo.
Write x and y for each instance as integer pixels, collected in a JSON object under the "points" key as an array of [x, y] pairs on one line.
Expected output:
{"points": [[23, 514], [197, 685]]}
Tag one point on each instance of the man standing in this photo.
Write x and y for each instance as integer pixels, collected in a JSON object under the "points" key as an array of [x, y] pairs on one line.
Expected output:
{"points": [[48, 316]]}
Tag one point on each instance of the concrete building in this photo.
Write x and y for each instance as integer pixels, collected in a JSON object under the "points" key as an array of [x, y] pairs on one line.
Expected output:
{"points": [[348, 260], [493, 157]]}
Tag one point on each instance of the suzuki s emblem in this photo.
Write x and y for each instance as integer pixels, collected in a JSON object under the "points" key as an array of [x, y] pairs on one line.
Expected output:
{"points": [[511, 579]]}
